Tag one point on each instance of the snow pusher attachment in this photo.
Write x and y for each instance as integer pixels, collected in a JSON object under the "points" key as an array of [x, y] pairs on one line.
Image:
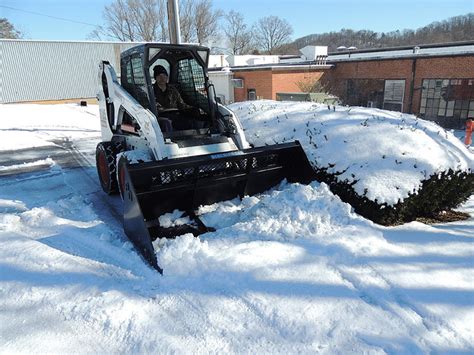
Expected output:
{"points": [[152, 189]]}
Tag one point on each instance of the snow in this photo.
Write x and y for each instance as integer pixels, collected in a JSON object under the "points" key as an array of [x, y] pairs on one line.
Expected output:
{"points": [[387, 154], [293, 270]]}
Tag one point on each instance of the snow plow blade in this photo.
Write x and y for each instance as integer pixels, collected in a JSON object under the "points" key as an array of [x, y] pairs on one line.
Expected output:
{"points": [[152, 189]]}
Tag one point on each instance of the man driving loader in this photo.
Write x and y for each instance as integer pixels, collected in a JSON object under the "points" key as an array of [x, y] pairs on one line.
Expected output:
{"points": [[168, 97]]}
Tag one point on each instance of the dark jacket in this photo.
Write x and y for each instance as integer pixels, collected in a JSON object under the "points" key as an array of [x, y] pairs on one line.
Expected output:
{"points": [[170, 98]]}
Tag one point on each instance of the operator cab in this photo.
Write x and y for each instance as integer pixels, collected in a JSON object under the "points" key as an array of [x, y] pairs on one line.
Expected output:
{"points": [[186, 66]]}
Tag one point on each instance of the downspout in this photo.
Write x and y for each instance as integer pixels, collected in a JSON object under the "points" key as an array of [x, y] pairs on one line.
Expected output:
{"points": [[412, 84]]}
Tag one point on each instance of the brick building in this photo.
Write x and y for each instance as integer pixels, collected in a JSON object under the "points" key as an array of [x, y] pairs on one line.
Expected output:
{"points": [[433, 81], [265, 82]]}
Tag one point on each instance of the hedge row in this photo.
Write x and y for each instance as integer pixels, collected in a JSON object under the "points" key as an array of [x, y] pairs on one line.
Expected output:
{"points": [[440, 192]]}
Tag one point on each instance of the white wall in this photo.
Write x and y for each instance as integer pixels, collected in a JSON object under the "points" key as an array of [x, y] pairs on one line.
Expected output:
{"points": [[218, 61], [241, 60], [312, 52], [222, 81], [53, 70]]}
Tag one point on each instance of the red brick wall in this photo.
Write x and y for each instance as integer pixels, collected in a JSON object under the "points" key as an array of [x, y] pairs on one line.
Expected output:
{"points": [[269, 82], [441, 68], [260, 80], [287, 81], [426, 68], [384, 69]]}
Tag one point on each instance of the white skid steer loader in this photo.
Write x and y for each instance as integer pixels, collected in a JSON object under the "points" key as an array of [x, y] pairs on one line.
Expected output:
{"points": [[204, 159]]}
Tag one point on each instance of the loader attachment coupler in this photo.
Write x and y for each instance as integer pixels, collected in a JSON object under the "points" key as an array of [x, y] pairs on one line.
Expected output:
{"points": [[155, 188]]}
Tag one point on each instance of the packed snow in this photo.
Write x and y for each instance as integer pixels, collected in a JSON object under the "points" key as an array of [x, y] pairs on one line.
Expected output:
{"points": [[387, 154], [293, 270]]}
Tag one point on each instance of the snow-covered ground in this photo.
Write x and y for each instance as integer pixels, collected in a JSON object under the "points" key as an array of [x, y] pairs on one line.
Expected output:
{"points": [[292, 270]]}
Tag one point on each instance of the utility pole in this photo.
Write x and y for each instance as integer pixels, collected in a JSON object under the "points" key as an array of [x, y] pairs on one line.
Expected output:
{"points": [[173, 22]]}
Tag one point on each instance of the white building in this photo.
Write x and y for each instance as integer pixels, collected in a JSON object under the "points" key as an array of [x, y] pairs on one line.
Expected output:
{"points": [[223, 83], [53, 70], [242, 60]]}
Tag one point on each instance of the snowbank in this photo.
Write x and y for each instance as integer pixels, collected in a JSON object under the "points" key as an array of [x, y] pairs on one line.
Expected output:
{"points": [[383, 155]]}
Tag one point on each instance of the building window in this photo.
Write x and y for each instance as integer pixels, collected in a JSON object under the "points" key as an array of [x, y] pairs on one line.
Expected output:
{"points": [[238, 83], [449, 102], [251, 94], [393, 95], [364, 92]]}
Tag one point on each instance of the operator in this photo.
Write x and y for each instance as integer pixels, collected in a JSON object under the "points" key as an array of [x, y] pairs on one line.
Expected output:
{"points": [[166, 96]]}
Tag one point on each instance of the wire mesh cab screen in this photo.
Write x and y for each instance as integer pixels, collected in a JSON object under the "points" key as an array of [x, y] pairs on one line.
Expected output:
{"points": [[134, 79], [192, 83]]}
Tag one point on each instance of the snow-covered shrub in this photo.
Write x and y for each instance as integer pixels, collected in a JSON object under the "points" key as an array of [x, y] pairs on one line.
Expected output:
{"points": [[391, 167], [440, 192]]}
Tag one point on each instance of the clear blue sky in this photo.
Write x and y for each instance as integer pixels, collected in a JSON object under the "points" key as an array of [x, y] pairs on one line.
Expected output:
{"points": [[306, 16]]}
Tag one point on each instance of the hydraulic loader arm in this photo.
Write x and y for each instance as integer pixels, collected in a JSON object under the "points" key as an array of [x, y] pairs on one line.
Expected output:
{"points": [[231, 123], [114, 101]]}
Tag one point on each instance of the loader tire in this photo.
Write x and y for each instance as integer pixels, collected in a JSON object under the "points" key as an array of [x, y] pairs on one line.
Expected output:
{"points": [[121, 176], [105, 162]]}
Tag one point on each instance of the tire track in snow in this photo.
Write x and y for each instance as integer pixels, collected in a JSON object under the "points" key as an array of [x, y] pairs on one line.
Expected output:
{"points": [[104, 205], [75, 175], [109, 209]]}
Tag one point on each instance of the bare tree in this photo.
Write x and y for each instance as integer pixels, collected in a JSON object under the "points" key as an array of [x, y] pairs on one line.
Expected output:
{"points": [[312, 85], [271, 32], [147, 20], [7, 30], [206, 21], [134, 20], [119, 24], [186, 16], [239, 37], [163, 34], [198, 21]]}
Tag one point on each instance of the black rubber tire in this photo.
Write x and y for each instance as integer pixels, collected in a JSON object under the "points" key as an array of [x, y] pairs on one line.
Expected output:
{"points": [[105, 161], [121, 175]]}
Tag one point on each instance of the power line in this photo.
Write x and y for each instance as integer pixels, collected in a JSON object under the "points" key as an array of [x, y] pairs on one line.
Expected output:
{"points": [[55, 17]]}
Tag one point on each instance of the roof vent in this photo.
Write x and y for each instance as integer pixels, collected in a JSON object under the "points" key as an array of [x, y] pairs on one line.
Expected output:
{"points": [[416, 50]]}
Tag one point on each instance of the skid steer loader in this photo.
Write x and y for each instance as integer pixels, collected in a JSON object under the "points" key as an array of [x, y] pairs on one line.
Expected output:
{"points": [[204, 159]]}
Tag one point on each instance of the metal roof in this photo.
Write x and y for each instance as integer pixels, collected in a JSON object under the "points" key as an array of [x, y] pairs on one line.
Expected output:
{"points": [[282, 66], [406, 52]]}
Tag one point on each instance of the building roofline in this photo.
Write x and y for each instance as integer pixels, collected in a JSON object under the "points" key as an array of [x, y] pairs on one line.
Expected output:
{"points": [[399, 57], [388, 49], [91, 41], [281, 66]]}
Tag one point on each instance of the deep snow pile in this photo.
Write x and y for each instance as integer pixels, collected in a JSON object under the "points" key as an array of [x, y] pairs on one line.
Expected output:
{"points": [[293, 270], [383, 156]]}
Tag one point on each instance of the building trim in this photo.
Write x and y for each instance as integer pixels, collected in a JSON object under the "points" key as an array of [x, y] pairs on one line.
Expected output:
{"points": [[285, 67], [408, 47], [400, 57]]}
